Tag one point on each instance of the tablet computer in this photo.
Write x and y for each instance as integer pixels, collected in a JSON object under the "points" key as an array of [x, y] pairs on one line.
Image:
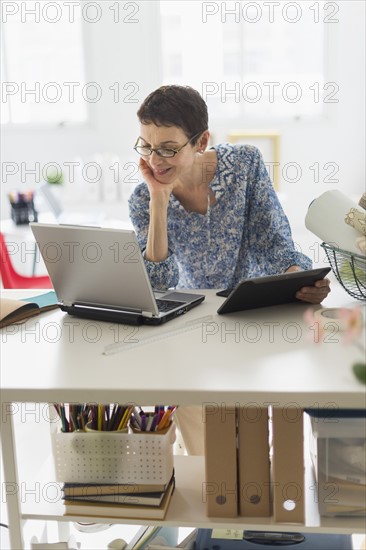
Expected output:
{"points": [[269, 291]]}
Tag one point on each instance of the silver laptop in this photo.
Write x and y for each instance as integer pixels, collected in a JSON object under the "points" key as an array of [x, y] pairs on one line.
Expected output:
{"points": [[76, 218], [99, 273]]}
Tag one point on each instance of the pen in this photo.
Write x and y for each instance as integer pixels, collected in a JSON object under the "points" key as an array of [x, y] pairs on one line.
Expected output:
{"points": [[82, 421], [143, 422], [137, 415], [129, 412], [149, 421], [122, 423], [163, 420], [154, 422]]}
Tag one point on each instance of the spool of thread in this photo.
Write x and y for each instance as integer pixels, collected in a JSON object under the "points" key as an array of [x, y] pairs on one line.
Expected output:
{"points": [[331, 318]]}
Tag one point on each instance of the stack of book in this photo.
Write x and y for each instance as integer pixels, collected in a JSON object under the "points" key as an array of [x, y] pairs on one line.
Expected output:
{"points": [[145, 501]]}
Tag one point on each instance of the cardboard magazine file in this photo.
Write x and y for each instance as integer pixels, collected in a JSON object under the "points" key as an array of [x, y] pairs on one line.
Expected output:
{"points": [[288, 465], [220, 487], [253, 462]]}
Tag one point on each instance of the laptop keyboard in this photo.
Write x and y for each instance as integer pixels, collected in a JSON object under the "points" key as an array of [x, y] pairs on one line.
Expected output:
{"points": [[167, 305]]}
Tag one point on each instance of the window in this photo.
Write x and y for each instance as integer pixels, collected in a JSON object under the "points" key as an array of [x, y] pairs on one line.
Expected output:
{"points": [[258, 59], [43, 75]]}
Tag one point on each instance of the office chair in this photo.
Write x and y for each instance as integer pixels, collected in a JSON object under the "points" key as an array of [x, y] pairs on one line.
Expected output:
{"points": [[12, 279]]}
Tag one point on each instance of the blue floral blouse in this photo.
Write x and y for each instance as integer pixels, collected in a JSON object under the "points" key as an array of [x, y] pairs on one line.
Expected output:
{"points": [[244, 234]]}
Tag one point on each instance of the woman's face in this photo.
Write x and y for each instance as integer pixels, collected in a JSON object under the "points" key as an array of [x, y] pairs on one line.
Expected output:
{"points": [[166, 170]]}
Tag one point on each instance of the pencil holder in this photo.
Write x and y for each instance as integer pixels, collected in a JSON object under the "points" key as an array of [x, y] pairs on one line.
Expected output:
{"points": [[23, 213], [112, 457]]}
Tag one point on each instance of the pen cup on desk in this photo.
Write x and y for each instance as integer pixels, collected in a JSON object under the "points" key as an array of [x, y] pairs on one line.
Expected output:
{"points": [[22, 208]]}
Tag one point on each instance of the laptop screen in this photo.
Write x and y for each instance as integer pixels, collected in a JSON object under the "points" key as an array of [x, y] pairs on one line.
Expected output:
{"points": [[94, 265]]}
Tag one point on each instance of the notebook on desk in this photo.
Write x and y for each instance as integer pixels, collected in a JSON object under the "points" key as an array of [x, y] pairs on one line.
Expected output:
{"points": [[99, 273]]}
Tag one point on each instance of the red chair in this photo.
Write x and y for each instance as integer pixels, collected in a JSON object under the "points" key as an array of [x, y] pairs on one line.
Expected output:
{"points": [[12, 279]]}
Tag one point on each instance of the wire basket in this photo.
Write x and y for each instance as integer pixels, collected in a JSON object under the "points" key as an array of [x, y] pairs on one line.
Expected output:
{"points": [[350, 270]]}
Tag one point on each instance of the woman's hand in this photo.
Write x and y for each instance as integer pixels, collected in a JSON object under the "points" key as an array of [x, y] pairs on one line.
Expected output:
{"points": [[157, 190], [313, 294], [157, 238]]}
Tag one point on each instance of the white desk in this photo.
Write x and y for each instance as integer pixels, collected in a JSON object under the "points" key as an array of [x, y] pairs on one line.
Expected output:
{"points": [[262, 356]]}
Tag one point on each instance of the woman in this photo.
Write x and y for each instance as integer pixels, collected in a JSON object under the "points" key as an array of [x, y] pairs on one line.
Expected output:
{"points": [[205, 218]]}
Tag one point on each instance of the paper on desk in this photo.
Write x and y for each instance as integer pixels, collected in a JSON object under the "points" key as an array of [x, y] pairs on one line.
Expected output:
{"points": [[326, 219]]}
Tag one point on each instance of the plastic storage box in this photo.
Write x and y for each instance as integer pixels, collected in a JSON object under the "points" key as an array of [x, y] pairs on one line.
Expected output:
{"points": [[338, 446]]}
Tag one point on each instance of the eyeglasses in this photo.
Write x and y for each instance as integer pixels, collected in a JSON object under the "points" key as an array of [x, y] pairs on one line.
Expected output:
{"points": [[146, 151]]}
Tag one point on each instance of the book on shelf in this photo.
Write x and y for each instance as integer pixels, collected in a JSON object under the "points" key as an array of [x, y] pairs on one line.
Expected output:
{"points": [[343, 510], [147, 534], [136, 499], [340, 498], [72, 490], [100, 509], [143, 535], [15, 311], [344, 474], [188, 543], [336, 490], [138, 537]]}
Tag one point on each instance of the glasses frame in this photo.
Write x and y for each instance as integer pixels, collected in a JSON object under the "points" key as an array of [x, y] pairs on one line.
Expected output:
{"points": [[156, 149]]}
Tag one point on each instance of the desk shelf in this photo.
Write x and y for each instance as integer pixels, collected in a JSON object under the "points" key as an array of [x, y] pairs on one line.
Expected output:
{"points": [[187, 508]]}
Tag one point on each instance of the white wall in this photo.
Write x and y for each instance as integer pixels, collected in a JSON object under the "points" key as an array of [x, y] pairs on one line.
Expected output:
{"points": [[113, 55], [339, 135], [129, 53]]}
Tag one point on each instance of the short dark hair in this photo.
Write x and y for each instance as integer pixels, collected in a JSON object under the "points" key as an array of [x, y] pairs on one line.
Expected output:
{"points": [[174, 105]]}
